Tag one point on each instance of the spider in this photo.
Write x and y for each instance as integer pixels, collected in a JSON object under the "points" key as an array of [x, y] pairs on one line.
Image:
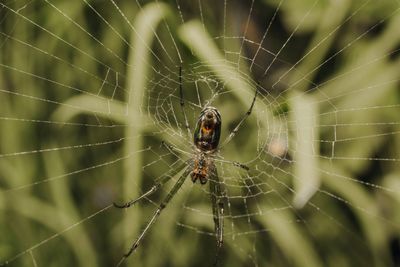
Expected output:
{"points": [[200, 167]]}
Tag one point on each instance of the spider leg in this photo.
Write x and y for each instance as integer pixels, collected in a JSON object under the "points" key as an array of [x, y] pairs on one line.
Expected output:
{"points": [[182, 102], [240, 165], [130, 203], [173, 149], [217, 195], [153, 219], [164, 179], [235, 130], [236, 164]]}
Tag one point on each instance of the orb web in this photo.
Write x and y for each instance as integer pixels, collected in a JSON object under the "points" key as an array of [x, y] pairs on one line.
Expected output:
{"points": [[90, 91]]}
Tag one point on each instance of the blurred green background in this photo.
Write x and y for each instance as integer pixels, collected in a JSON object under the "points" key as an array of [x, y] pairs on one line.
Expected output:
{"points": [[89, 89]]}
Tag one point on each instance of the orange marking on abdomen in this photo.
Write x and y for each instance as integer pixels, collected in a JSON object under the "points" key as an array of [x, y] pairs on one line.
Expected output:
{"points": [[206, 130]]}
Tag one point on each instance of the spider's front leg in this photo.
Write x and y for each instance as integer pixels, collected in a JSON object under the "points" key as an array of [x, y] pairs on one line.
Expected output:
{"points": [[157, 213], [159, 182], [217, 200]]}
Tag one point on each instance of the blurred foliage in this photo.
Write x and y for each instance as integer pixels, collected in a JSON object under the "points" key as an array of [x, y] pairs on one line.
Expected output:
{"points": [[63, 65]]}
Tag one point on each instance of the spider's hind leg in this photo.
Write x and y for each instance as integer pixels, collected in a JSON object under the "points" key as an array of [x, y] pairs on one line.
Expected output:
{"points": [[182, 103], [246, 115]]}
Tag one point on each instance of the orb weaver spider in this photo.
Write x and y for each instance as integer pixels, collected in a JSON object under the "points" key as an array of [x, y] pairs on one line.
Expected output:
{"points": [[200, 167]]}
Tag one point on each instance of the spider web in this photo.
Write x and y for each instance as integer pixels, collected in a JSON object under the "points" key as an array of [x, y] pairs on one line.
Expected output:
{"points": [[90, 89]]}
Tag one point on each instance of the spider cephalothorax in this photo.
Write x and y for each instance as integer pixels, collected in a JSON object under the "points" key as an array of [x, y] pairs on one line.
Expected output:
{"points": [[201, 169]]}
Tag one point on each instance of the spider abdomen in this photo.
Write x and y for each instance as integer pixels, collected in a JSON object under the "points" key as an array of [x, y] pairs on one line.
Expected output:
{"points": [[208, 130]]}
